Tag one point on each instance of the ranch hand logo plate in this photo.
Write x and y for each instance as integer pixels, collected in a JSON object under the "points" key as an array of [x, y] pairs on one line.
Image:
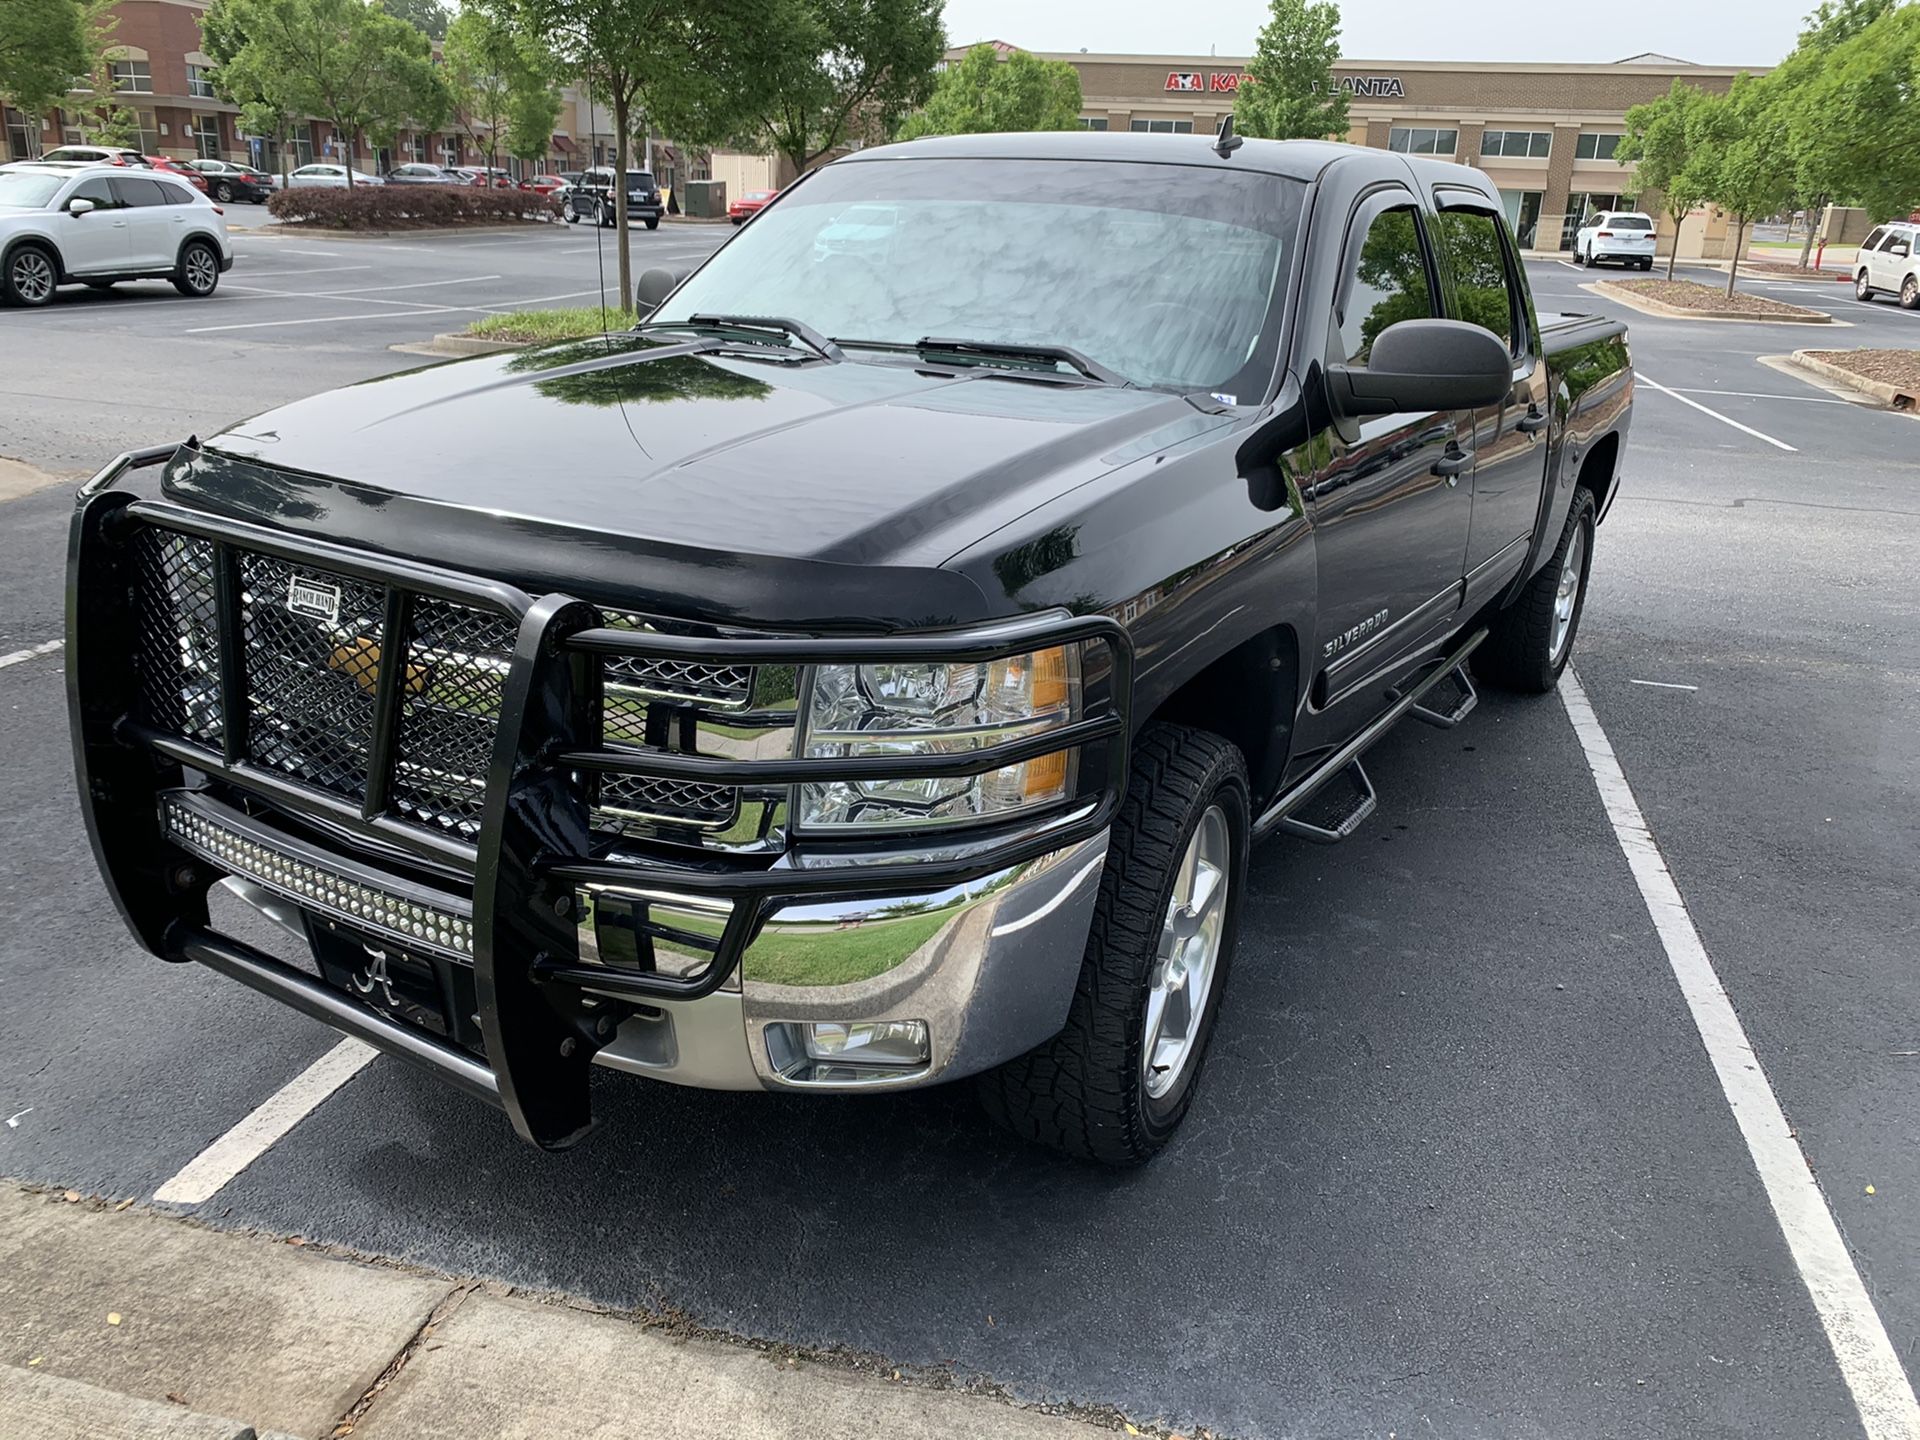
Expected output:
{"points": [[312, 598]]}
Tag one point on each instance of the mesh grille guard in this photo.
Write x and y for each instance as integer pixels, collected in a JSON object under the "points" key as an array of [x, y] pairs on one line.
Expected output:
{"points": [[534, 839]]}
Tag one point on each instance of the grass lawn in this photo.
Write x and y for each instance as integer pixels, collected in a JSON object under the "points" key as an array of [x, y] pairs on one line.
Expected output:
{"points": [[535, 326]]}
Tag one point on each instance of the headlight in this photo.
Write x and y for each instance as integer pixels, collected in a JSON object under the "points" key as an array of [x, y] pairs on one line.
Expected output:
{"points": [[939, 709]]}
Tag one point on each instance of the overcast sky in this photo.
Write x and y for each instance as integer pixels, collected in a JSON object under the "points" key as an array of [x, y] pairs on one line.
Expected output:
{"points": [[1752, 32]]}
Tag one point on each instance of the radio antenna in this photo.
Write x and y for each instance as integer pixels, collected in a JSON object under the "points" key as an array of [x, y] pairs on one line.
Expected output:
{"points": [[1225, 142]]}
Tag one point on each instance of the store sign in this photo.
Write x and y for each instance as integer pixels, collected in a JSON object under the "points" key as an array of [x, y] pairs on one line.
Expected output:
{"points": [[1220, 82], [1185, 80], [1386, 87]]}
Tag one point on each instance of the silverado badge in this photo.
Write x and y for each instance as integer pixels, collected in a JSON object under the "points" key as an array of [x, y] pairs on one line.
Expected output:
{"points": [[313, 598]]}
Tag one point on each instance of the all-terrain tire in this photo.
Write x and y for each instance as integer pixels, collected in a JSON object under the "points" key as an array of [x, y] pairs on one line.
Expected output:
{"points": [[1084, 1091], [1520, 653]]}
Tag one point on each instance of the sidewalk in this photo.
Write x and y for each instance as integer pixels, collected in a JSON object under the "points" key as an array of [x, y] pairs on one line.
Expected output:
{"points": [[124, 1324]]}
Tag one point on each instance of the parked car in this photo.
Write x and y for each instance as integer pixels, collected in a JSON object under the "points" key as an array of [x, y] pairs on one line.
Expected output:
{"points": [[751, 757], [228, 182], [103, 224], [592, 198], [1623, 235], [420, 173], [175, 167], [481, 176], [748, 205], [545, 184], [329, 177], [572, 177], [96, 155], [1889, 264]]}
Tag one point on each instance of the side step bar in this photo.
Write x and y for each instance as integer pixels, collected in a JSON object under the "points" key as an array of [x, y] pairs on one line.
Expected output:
{"points": [[1279, 815]]}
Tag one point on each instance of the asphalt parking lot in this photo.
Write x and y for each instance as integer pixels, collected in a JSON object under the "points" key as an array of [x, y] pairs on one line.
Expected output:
{"points": [[1462, 1165]]}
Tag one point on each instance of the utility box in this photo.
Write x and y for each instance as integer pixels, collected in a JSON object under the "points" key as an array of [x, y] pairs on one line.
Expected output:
{"points": [[706, 199]]}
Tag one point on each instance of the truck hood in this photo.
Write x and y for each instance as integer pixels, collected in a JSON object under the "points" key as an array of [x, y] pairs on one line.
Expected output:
{"points": [[682, 445]]}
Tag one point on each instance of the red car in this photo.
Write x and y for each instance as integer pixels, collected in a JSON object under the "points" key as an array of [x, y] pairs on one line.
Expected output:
{"points": [[480, 175], [749, 205], [544, 184], [174, 167]]}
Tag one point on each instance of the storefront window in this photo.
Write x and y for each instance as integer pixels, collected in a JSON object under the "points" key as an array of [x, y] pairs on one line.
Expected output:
{"points": [[1162, 127], [1595, 147], [1529, 143], [1093, 122], [206, 136], [1422, 140], [23, 135]]}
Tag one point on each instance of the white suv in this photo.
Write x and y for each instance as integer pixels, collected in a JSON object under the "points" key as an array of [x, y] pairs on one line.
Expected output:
{"points": [[62, 224], [1889, 262], [1623, 235]]}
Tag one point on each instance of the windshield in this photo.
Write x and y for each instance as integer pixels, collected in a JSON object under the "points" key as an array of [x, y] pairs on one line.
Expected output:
{"points": [[25, 190], [1171, 275]]}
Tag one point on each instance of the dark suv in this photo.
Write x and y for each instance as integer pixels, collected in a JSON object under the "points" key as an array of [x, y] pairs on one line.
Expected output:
{"points": [[592, 198]]}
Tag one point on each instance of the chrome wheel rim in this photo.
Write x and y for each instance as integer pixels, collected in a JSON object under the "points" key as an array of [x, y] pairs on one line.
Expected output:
{"points": [[1566, 598], [1188, 958], [32, 277], [200, 270]]}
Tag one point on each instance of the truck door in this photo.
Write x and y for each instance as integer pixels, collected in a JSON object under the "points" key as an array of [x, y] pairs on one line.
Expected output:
{"points": [[1390, 506], [1509, 439]]}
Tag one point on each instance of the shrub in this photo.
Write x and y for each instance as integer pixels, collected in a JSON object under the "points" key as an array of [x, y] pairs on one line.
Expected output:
{"points": [[404, 207]]}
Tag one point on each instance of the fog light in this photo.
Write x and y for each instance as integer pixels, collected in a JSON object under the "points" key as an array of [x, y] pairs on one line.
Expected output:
{"points": [[842, 1052], [876, 1042]]}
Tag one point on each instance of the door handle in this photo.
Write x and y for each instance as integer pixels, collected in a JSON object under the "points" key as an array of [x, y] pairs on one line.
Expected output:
{"points": [[1452, 463], [1531, 422]]}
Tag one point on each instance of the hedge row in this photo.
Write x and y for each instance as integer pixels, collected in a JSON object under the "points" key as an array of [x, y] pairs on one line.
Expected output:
{"points": [[402, 207]]}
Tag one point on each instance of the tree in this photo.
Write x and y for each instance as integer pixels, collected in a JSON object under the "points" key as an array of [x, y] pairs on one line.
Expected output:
{"points": [[261, 112], [984, 93], [501, 84], [840, 70], [346, 61], [1288, 91], [1656, 141], [105, 120], [684, 66], [43, 46], [1738, 158], [1849, 124], [429, 17]]}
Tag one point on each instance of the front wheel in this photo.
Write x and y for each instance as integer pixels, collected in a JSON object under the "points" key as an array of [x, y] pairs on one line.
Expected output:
{"points": [[30, 277], [566, 209], [1116, 1081], [1533, 637], [1861, 289], [198, 272]]}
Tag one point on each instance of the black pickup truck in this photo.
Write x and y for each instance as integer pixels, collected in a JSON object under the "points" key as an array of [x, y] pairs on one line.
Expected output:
{"points": [[883, 683]]}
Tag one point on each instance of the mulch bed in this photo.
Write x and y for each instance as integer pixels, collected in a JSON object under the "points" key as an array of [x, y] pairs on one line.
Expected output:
{"points": [[1687, 295], [1900, 368], [1798, 272]]}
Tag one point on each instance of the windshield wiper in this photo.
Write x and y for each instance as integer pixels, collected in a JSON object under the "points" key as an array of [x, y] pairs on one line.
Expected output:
{"points": [[1049, 356], [751, 325]]}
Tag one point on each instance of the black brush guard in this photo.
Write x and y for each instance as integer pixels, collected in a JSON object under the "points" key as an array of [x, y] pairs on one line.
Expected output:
{"points": [[535, 843]]}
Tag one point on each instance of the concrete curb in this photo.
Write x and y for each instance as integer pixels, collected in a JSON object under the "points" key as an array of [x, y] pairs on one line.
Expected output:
{"points": [[51, 1407], [110, 1308], [458, 345], [18, 478], [1648, 306], [1885, 391]]}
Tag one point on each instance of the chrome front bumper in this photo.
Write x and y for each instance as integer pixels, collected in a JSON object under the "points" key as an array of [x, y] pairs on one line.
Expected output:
{"points": [[989, 965]]}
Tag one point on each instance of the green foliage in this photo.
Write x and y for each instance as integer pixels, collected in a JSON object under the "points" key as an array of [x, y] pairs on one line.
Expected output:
{"points": [[502, 85], [1657, 139], [1392, 268], [983, 94], [1293, 94], [542, 326], [106, 119], [429, 17], [43, 45], [347, 61], [408, 207], [1738, 157], [838, 70], [1850, 110]]}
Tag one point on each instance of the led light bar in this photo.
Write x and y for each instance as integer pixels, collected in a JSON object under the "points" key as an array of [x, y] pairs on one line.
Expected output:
{"points": [[309, 880]]}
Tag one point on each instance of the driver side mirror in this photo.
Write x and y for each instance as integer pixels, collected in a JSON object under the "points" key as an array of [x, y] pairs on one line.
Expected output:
{"points": [[1425, 365], [1900, 248], [80, 205], [653, 287]]}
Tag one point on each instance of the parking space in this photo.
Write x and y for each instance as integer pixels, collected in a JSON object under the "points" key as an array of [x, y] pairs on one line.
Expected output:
{"points": [[1462, 1164]]}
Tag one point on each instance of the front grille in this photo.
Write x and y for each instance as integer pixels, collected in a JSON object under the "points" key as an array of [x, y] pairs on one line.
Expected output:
{"points": [[310, 675], [313, 650]]}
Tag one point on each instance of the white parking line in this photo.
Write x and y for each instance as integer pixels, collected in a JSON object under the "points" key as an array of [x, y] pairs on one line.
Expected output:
{"points": [[1723, 419], [203, 1176], [1757, 395], [1868, 1363], [20, 657]]}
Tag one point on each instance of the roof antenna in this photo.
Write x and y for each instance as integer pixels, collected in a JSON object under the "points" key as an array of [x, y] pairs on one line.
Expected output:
{"points": [[1225, 142]]}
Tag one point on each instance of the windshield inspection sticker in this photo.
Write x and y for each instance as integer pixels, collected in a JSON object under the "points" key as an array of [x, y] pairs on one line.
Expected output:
{"points": [[1226, 399]]}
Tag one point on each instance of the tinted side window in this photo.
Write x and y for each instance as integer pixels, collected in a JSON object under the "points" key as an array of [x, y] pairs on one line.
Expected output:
{"points": [[1482, 284], [172, 194], [137, 190], [1389, 285], [98, 191], [1874, 237]]}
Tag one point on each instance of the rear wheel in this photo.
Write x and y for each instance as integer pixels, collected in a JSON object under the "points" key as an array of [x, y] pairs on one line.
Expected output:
{"points": [[1861, 289], [1646, 264], [653, 222], [223, 192], [29, 277], [1532, 638], [1579, 256], [1115, 1083], [1910, 293], [198, 272]]}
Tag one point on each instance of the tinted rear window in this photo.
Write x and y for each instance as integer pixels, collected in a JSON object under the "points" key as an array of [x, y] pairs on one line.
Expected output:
{"points": [[1631, 222]]}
